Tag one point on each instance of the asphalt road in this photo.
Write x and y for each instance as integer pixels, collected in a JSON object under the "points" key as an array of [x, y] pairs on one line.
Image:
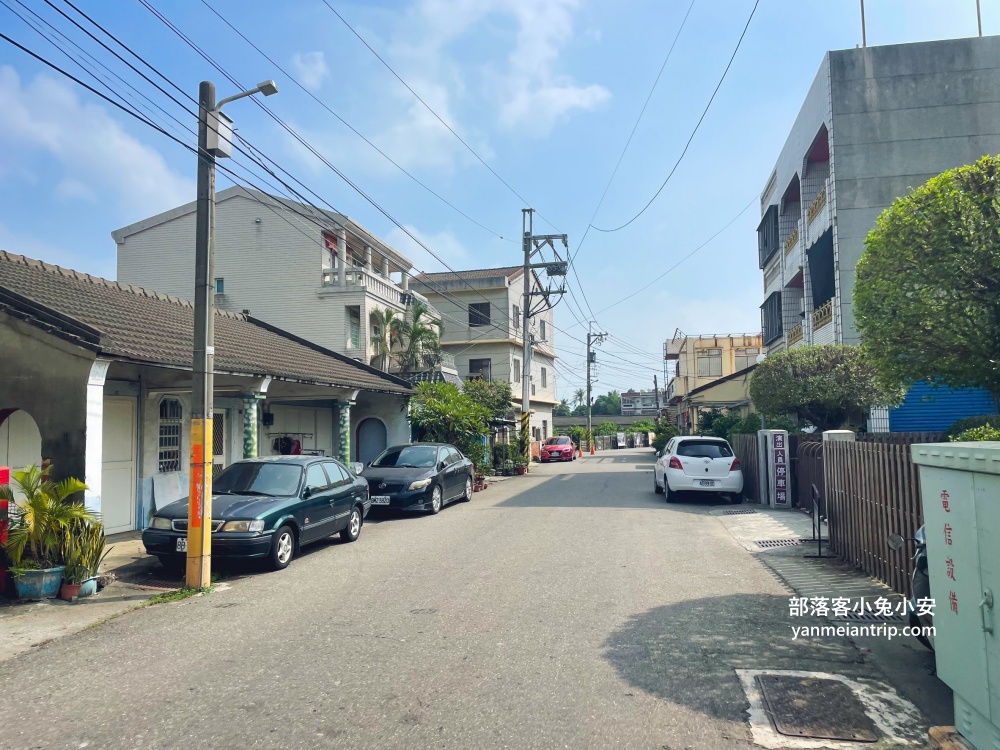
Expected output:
{"points": [[571, 608]]}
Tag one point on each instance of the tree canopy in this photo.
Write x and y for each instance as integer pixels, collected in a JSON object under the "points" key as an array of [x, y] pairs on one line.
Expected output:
{"points": [[494, 395], [562, 409], [610, 403], [926, 297], [822, 384], [444, 414]]}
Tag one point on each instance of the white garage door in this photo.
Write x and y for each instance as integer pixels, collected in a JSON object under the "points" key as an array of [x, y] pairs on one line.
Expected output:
{"points": [[118, 471]]}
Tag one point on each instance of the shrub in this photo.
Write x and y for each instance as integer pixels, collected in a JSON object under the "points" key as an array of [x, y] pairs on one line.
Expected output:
{"points": [[969, 423], [977, 434]]}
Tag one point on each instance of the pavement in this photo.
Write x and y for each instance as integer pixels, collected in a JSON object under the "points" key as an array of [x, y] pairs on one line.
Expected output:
{"points": [[571, 608]]}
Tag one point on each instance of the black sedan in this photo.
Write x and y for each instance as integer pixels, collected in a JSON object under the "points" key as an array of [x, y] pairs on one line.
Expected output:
{"points": [[268, 508], [419, 477]]}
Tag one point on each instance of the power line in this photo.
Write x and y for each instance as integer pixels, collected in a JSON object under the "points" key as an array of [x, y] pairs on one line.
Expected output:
{"points": [[693, 132], [430, 109], [349, 126]]}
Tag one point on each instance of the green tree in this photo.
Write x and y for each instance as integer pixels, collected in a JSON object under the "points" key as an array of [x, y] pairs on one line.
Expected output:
{"points": [[606, 428], [444, 414], [609, 404], [579, 411], [579, 397], [419, 338], [494, 395], [385, 334], [562, 409], [717, 423], [926, 300], [642, 425], [821, 384]]}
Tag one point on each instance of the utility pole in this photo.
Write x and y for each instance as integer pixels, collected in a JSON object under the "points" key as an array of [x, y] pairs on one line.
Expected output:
{"points": [[591, 357], [656, 392], [864, 33], [532, 245], [215, 139]]}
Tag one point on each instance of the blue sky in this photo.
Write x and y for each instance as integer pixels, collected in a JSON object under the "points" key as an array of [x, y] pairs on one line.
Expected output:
{"points": [[546, 91]]}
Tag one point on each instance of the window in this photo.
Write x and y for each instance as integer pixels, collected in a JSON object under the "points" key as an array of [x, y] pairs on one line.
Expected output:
{"points": [[408, 456], [767, 235], [710, 363], [545, 429], [479, 314], [259, 478], [541, 330], [532, 389], [339, 476], [316, 478], [704, 449], [517, 371], [354, 327], [516, 317], [171, 422], [746, 357], [220, 286], [544, 378], [480, 368], [770, 318]]}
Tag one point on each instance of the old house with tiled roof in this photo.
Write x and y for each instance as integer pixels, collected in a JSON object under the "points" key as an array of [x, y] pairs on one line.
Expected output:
{"points": [[97, 379], [483, 309]]}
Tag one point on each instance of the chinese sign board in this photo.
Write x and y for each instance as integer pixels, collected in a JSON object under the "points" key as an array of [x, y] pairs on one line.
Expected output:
{"points": [[779, 469]]}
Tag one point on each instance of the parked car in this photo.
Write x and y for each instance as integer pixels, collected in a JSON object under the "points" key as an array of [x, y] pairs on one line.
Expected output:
{"points": [[419, 477], [560, 448], [698, 464], [269, 508]]}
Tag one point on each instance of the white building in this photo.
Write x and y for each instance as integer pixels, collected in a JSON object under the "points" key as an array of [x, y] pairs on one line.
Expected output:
{"points": [[642, 403], [482, 311]]}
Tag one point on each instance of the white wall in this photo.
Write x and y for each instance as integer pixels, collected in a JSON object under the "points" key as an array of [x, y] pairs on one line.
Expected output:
{"points": [[316, 422]]}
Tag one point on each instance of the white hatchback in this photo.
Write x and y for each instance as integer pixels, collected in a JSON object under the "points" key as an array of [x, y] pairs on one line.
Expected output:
{"points": [[698, 464]]}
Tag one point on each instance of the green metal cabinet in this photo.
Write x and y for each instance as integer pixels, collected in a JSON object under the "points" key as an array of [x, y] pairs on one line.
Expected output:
{"points": [[960, 494]]}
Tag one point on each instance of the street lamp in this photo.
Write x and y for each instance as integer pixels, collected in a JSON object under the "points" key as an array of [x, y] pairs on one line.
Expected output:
{"points": [[215, 139]]}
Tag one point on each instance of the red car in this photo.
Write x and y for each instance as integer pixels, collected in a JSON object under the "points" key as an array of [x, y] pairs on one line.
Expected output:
{"points": [[558, 449]]}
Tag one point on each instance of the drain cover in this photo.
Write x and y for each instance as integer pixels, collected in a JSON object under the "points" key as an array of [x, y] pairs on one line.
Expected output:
{"points": [[815, 708], [771, 543], [869, 617], [741, 512]]}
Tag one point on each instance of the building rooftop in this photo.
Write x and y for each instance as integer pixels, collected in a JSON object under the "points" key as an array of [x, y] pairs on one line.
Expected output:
{"points": [[142, 326], [511, 273]]}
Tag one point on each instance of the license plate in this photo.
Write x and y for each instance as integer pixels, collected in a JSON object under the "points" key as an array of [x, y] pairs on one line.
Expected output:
{"points": [[182, 545], [707, 483], [380, 499]]}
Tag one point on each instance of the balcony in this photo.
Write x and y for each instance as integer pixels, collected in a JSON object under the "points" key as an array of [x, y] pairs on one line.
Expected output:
{"points": [[377, 286], [818, 216], [795, 334], [822, 315]]}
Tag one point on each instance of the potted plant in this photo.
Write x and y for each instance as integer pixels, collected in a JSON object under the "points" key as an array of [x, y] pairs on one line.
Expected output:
{"points": [[75, 571], [520, 466], [91, 539], [41, 514]]}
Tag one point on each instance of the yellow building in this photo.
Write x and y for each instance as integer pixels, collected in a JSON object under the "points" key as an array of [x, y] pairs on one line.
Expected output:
{"points": [[729, 394], [701, 360]]}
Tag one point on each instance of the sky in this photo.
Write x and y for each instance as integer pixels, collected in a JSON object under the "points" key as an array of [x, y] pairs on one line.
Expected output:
{"points": [[544, 94]]}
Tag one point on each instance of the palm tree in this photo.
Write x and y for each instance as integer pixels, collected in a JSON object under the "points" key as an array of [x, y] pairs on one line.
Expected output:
{"points": [[419, 338], [41, 514], [579, 397], [385, 334]]}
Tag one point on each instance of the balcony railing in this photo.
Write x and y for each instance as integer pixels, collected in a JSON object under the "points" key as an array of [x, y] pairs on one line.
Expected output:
{"points": [[795, 334], [823, 314], [817, 205], [375, 284], [792, 240]]}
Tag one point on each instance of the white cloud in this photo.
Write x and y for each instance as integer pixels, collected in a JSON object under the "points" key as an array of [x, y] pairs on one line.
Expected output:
{"points": [[311, 69], [444, 244], [97, 155]]}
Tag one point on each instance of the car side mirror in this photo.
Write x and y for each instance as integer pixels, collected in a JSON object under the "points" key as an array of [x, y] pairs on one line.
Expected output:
{"points": [[896, 542], [659, 453], [357, 467], [441, 466], [307, 492]]}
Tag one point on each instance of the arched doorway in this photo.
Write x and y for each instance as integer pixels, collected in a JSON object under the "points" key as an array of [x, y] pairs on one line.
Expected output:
{"points": [[371, 440], [20, 440]]}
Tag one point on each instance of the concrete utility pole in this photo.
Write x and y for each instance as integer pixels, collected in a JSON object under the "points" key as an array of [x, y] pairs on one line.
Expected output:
{"points": [[656, 391], [215, 139], [533, 245], [864, 33], [979, 18], [591, 357]]}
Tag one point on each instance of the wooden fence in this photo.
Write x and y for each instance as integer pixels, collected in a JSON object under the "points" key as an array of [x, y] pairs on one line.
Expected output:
{"points": [[872, 490], [900, 438]]}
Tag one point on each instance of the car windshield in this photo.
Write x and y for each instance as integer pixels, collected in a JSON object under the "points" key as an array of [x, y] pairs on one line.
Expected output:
{"points": [[704, 449], [258, 478], [557, 441], [408, 457]]}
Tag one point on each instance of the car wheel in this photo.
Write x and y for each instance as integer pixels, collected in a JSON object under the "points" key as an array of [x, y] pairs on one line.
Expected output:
{"points": [[437, 500], [669, 495], [735, 498], [353, 529], [467, 496], [282, 548], [656, 488], [173, 564]]}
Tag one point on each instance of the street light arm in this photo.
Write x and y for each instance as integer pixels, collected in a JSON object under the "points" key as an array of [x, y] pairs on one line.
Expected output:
{"points": [[267, 88]]}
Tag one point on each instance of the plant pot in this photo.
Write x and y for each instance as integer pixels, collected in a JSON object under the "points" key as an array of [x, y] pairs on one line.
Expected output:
{"points": [[35, 585], [88, 587], [477, 487], [520, 470], [69, 592]]}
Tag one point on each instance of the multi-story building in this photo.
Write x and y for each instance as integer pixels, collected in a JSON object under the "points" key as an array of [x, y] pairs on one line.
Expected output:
{"points": [[320, 278], [642, 403], [876, 122], [483, 329], [701, 360]]}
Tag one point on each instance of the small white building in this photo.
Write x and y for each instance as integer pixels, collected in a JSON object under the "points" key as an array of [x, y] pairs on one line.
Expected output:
{"points": [[97, 380]]}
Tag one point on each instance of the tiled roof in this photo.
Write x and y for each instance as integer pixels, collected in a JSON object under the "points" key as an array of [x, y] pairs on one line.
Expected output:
{"points": [[511, 272], [143, 326]]}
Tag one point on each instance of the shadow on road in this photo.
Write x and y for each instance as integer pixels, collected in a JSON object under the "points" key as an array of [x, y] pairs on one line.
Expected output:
{"points": [[687, 652]]}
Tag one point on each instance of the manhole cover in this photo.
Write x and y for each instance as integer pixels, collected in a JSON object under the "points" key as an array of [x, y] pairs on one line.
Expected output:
{"points": [[869, 617], [772, 543], [740, 512], [815, 708]]}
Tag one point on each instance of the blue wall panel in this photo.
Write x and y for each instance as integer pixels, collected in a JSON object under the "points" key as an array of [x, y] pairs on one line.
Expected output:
{"points": [[928, 409]]}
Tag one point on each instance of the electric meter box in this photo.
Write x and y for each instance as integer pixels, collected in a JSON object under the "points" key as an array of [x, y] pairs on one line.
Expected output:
{"points": [[960, 494]]}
